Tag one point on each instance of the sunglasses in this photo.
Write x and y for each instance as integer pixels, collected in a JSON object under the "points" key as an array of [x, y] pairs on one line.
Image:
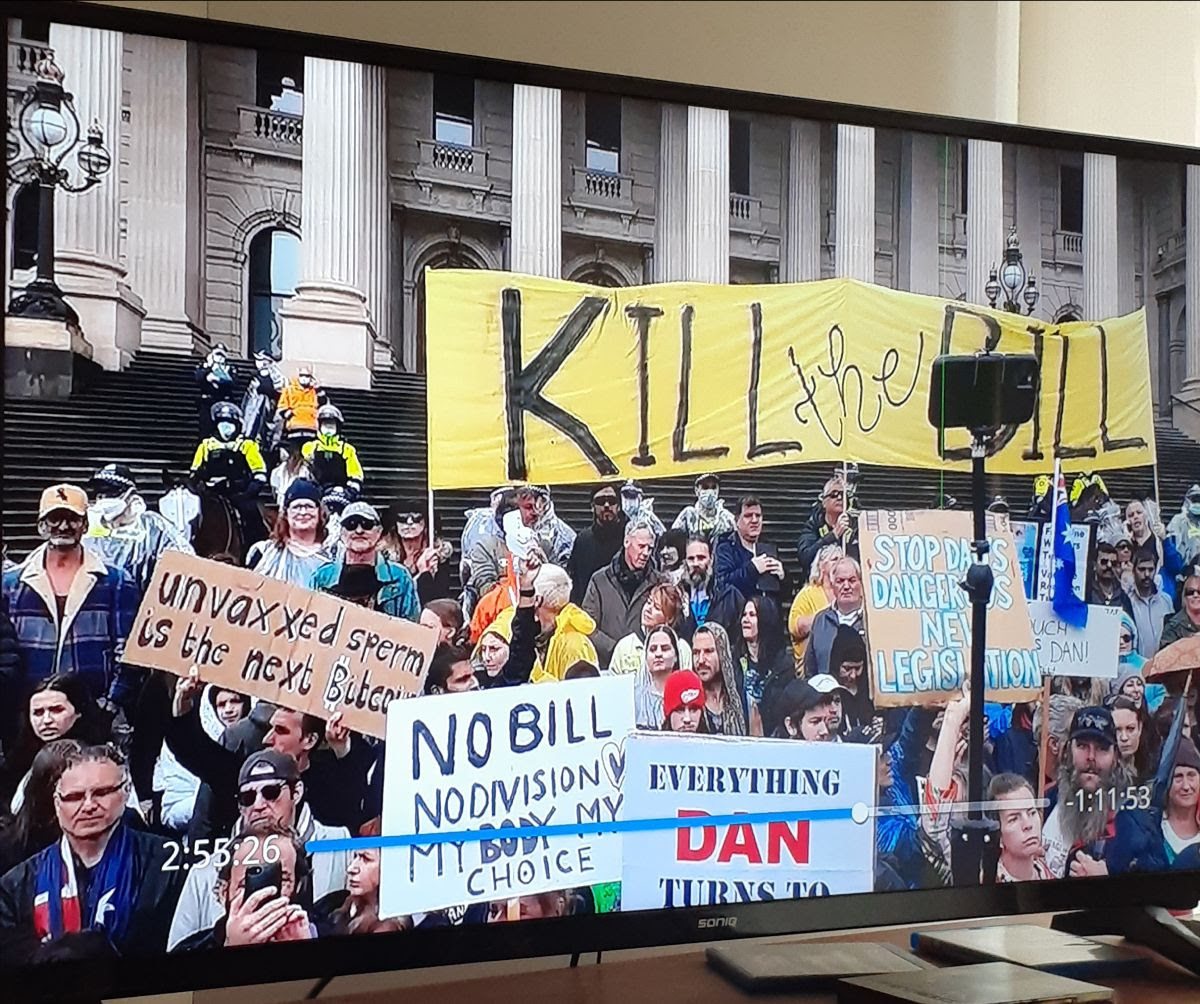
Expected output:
{"points": [[410, 517], [835, 495], [248, 796], [1126, 637], [98, 794], [607, 501], [1105, 563], [1191, 592], [356, 523]]}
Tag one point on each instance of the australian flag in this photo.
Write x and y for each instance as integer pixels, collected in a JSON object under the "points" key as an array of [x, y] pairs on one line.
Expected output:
{"points": [[1069, 607]]}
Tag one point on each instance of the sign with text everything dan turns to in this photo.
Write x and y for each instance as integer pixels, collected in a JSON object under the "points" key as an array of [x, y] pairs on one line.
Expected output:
{"points": [[919, 616], [524, 371], [285, 644]]}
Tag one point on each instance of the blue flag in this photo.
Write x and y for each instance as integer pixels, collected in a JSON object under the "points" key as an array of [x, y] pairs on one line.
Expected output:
{"points": [[1069, 607]]}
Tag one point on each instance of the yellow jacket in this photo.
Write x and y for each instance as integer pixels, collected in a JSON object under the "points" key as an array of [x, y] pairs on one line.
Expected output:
{"points": [[569, 644]]}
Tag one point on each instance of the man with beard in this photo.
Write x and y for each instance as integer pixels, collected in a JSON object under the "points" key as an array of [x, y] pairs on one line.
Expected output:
{"points": [[1091, 782], [711, 659], [596, 546], [1106, 588], [616, 592], [703, 603]]}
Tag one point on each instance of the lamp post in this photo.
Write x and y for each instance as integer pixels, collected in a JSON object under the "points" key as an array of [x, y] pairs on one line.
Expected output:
{"points": [[1012, 282], [46, 132]]}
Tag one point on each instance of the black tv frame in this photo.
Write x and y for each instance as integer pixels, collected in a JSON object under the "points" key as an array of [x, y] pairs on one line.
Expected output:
{"points": [[328, 957]]}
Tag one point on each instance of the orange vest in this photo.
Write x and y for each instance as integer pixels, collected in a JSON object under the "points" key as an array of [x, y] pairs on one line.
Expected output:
{"points": [[302, 402]]}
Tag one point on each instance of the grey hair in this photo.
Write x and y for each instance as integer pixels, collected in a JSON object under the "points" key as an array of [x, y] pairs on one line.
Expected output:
{"points": [[636, 525], [553, 585], [845, 559], [833, 482], [823, 555]]}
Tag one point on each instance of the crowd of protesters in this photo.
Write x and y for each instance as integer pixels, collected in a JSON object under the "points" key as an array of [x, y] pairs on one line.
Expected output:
{"points": [[110, 772]]}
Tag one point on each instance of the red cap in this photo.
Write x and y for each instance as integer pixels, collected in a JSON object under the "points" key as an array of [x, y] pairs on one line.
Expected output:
{"points": [[683, 689]]}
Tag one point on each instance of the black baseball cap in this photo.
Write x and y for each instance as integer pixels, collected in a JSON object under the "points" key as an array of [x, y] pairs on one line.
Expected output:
{"points": [[268, 765], [1094, 723]]}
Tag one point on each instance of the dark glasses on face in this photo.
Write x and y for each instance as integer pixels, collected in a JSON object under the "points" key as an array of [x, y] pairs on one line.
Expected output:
{"points": [[835, 495], [248, 796], [410, 517], [604, 500], [355, 523], [1191, 592], [1126, 638], [1106, 562]]}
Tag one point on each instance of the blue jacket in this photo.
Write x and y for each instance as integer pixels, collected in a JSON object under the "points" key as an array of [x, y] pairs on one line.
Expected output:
{"points": [[397, 595], [100, 611]]}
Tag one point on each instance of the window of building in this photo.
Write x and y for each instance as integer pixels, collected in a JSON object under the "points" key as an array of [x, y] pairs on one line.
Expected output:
{"points": [[963, 147], [454, 109], [35, 29], [602, 124], [25, 227], [274, 272], [271, 70], [1070, 198], [739, 156]]}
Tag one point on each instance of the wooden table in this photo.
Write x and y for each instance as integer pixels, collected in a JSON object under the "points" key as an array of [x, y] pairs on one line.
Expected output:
{"points": [[687, 977]]}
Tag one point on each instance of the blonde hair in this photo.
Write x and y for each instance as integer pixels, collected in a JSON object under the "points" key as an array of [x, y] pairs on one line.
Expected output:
{"points": [[553, 585]]}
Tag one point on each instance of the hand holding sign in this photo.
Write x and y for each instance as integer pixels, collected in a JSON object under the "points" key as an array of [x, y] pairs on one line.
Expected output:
{"points": [[337, 734], [187, 688]]}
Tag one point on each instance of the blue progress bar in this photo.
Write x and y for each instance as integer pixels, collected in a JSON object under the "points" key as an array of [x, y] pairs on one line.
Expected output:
{"points": [[569, 830]]}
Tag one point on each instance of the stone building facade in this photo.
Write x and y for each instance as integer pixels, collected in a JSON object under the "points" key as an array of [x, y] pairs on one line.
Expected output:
{"points": [[273, 202]]}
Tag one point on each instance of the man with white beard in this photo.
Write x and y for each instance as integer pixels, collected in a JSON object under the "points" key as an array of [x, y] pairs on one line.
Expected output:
{"points": [[1092, 780]]}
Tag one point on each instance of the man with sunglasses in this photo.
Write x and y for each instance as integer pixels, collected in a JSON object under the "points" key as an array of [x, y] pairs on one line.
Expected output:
{"points": [[829, 525], [596, 546], [71, 612], [1106, 588], [270, 796], [101, 876], [390, 589]]}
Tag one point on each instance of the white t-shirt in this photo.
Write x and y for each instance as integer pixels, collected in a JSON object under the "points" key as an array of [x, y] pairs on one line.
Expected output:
{"points": [[1177, 843], [1056, 843]]}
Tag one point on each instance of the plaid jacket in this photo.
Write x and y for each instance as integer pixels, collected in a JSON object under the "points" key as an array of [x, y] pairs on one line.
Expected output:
{"points": [[100, 612]]}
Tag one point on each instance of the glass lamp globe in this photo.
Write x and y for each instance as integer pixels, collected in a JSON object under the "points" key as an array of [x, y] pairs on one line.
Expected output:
{"points": [[1012, 276], [93, 158], [47, 126]]}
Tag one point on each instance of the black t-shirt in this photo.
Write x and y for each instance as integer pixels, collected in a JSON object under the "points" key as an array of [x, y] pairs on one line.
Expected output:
{"points": [[61, 603]]}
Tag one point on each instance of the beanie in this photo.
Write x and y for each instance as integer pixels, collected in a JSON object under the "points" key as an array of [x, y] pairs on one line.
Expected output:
{"points": [[302, 488], [683, 689]]}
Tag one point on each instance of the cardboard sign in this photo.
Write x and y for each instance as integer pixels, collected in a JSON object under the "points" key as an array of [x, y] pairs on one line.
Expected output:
{"points": [[291, 646], [1025, 538], [493, 760], [1064, 650], [919, 617], [669, 775]]}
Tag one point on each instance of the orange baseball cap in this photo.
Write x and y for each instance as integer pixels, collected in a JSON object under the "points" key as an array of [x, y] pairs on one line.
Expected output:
{"points": [[70, 497]]}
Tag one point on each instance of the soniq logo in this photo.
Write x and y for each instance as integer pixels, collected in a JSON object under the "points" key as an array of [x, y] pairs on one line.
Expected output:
{"points": [[717, 922]]}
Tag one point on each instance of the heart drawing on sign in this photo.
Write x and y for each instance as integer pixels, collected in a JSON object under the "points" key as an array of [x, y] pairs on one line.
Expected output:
{"points": [[613, 758]]}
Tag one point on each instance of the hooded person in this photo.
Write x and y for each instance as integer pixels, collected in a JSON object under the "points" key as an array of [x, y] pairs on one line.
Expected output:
{"points": [[122, 531], [480, 524], [554, 536], [1130, 679], [258, 402], [636, 506], [724, 700], [596, 545], [1184, 528], [707, 517], [491, 653], [848, 666]]}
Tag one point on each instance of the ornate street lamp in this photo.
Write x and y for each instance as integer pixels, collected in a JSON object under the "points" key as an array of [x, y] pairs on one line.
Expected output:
{"points": [[1012, 281], [47, 132]]}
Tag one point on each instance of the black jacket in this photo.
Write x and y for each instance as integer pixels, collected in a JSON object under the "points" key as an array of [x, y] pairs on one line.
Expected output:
{"points": [[814, 535], [12, 687], [594, 548], [244, 737], [157, 894], [335, 788]]}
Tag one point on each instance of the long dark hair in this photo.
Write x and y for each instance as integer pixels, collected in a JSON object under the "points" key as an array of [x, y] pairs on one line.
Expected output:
{"points": [[773, 641], [1145, 760], [35, 826], [92, 727]]}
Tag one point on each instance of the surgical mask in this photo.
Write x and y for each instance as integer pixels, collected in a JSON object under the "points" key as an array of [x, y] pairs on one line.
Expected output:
{"points": [[109, 509], [328, 429], [630, 505], [1193, 507], [707, 497], [226, 430], [306, 381]]}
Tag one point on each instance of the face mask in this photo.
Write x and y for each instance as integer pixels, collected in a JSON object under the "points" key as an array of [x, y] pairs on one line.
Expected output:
{"points": [[629, 506], [1193, 508], [707, 498], [108, 510], [306, 381], [328, 430], [226, 430]]}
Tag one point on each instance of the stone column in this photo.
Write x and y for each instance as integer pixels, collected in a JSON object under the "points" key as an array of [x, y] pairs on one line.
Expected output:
{"points": [[800, 257], [1099, 236], [377, 237], [1028, 214], [854, 204], [1130, 245], [164, 191], [537, 181], [919, 190], [328, 323], [670, 213], [87, 227], [985, 214], [707, 194], [1191, 264]]}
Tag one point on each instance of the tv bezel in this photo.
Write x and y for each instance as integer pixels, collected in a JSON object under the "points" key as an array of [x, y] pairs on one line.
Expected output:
{"points": [[65, 981]]}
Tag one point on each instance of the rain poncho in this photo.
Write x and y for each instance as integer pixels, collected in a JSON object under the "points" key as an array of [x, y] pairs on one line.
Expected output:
{"points": [[555, 536], [1184, 529], [293, 562], [258, 403], [134, 546], [480, 524], [707, 518]]}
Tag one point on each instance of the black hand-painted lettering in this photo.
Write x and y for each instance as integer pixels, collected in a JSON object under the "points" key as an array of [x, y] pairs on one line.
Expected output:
{"points": [[991, 338], [642, 316], [758, 449], [1066, 452], [1109, 444], [523, 384], [1039, 347], [679, 449]]}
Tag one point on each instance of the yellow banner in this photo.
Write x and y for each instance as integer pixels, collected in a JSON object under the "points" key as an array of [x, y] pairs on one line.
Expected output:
{"points": [[555, 382]]}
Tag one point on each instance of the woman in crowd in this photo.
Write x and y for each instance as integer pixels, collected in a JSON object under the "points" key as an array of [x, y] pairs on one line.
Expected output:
{"points": [[297, 545], [60, 707], [1137, 740], [660, 659], [445, 617], [1130, 668], [683, 703], [1022, 857], [491, 654], [290, 468], [1147, 532], [407, 542], [1186, 622], [358, 912], [848, 665], [1153, 838], [663, 607], [817, 595], [767, 663], [35, 826]]}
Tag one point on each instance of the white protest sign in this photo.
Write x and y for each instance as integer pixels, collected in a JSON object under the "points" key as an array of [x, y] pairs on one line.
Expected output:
{"points": [[670, 775], [528, 756], [1064, 650], [1079, 536]]}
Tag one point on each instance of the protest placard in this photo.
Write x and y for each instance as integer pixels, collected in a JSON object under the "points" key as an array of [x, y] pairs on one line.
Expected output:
{"points": [[493, 760], [1064, 650], [1081, 537], [291, 646], [919, 616], [1026, 537], [675, 776]]}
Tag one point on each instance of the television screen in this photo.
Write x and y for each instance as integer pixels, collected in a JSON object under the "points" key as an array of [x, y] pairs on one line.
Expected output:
{"points": [[445, 498]]}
